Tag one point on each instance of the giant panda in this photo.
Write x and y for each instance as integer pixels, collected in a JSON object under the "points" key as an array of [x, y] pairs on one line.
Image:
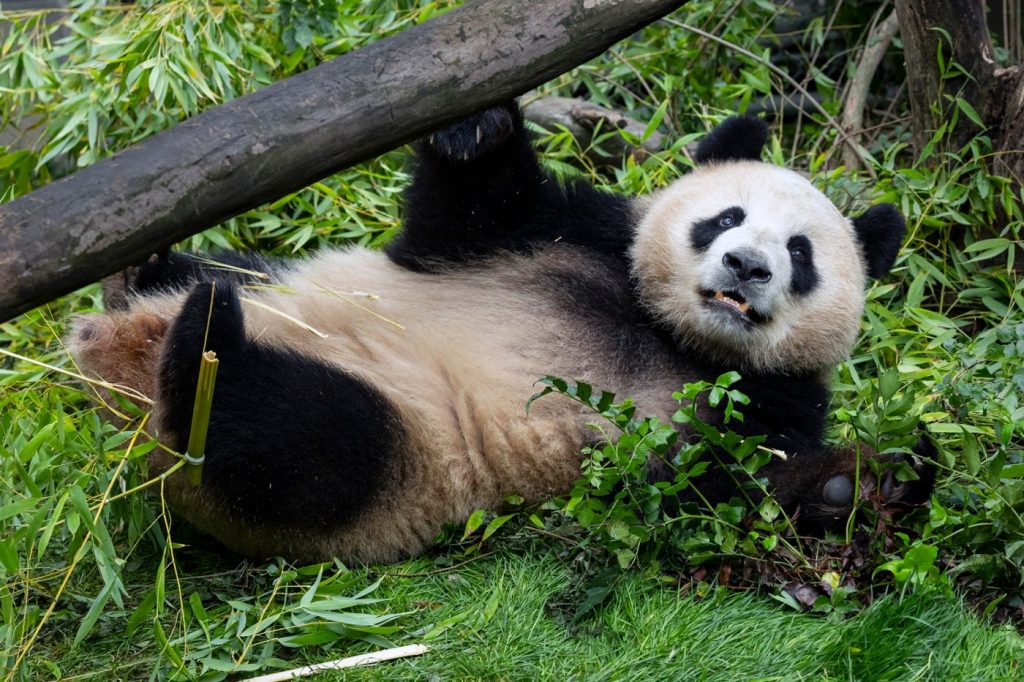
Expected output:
{"points": [[366, 398]]}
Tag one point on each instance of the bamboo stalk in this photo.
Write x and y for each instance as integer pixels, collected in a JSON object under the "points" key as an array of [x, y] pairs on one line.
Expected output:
{"points": [[196, 453], [350, 662]]}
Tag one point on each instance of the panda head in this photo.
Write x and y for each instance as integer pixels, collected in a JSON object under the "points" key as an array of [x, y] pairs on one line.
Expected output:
{"points": [[751, 266]]}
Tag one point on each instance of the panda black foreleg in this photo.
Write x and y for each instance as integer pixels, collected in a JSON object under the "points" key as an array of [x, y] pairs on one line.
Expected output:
{"points": [[294, 444]]}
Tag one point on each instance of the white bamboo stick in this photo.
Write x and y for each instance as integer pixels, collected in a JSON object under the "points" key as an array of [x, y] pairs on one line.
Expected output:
{"points": [[350, 662]]}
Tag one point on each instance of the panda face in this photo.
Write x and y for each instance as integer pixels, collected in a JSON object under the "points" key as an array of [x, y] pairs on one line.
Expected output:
{"points": [[753, 267]]}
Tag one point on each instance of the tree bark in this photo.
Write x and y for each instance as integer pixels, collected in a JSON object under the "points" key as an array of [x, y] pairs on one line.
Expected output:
{"points": [[922, 25], [257, 148], [1006, 115], [996, 94]]}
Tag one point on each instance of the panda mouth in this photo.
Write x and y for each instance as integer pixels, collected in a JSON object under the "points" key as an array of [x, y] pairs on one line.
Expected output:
{"points": [[734, 303]]}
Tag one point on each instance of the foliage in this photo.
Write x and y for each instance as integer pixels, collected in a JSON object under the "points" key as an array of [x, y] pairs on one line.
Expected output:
{"points": [[97, 580], [624, 512], [112, 75]]}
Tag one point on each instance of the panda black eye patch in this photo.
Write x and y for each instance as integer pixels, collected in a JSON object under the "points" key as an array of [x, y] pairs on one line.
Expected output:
{"points": [[805, 276], [706, 231]]}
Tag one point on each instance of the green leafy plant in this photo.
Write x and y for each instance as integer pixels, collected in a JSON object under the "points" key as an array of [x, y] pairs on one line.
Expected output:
{"points": [[916, 566], [635, 516]]}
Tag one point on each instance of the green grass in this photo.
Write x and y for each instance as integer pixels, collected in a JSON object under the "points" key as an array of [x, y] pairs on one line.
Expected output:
{"points": [[492, 619], [650, 632]]}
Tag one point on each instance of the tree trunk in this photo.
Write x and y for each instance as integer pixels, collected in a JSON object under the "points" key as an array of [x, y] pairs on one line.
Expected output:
{"points": [[996, 94], [922, 24], [257, 148], [1006, 115]]}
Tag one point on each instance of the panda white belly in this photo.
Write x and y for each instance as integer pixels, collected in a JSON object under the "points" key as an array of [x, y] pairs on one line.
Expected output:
{"points": [[457, 355], [441, 348]]}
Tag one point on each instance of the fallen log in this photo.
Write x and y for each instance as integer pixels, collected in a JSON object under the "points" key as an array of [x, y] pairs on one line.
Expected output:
{"points": [[593, 127], [254, 149]]}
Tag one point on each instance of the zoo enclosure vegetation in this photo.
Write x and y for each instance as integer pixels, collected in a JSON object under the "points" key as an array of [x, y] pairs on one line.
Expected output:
{"points": [[95, 575]]}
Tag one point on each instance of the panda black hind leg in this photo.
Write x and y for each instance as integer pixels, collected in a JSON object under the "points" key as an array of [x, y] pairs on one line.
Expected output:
{"points": [[296, 448], [480, 190]]}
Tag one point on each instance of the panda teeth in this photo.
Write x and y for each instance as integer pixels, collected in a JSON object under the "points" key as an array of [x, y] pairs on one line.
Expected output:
{"points": [[741, 306]]}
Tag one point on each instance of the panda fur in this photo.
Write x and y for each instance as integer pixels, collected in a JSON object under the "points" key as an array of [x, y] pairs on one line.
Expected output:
{"points": [[397, 405]]}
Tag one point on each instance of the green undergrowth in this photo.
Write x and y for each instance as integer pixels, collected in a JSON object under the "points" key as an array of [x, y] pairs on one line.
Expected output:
{"points": [[648, 631], [98, 582], [499, 617]]}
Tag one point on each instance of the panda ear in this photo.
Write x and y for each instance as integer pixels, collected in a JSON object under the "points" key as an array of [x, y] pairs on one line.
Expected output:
{"points": [[880, 232], [740, 138]]}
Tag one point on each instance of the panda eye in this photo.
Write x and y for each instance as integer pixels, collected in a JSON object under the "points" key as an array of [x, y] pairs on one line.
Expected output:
{"points": [[705, 231], [799, 249]]}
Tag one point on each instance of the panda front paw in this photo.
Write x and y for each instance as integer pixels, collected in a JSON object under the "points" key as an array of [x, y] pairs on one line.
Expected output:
{"points": [[888, 483], [475, 136]]}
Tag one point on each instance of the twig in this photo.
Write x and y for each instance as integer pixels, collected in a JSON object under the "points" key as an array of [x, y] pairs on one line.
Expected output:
{"points": [[853, 110], [774, 69], [544, 531], [275, 311], [126, 391], [350, 662]]}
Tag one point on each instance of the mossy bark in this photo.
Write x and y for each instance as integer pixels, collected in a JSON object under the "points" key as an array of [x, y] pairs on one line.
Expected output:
{"points": [[958, 30]]}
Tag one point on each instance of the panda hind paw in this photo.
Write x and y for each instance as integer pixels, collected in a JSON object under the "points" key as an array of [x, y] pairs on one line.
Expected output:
{"points": [[475, 136], [210, 319]]}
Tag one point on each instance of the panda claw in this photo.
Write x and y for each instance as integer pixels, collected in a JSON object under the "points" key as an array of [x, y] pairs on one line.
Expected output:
{"points": [[476, 135]]}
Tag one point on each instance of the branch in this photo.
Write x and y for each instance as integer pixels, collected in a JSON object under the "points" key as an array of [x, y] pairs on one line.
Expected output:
{"points": [[584, 119], [808, 97], [351, 662], [853, 110], [257, 148]]}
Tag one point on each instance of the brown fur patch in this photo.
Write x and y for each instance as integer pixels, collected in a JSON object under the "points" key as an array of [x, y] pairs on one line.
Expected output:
{"points": [[122, 348]]}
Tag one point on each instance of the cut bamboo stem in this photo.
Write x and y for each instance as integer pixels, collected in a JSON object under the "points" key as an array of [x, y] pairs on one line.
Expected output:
{"points": [[196, 453], [350, 662]]}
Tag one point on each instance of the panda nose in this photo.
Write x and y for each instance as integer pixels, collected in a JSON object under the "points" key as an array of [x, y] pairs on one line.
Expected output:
{"points": [[748, 266]]}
